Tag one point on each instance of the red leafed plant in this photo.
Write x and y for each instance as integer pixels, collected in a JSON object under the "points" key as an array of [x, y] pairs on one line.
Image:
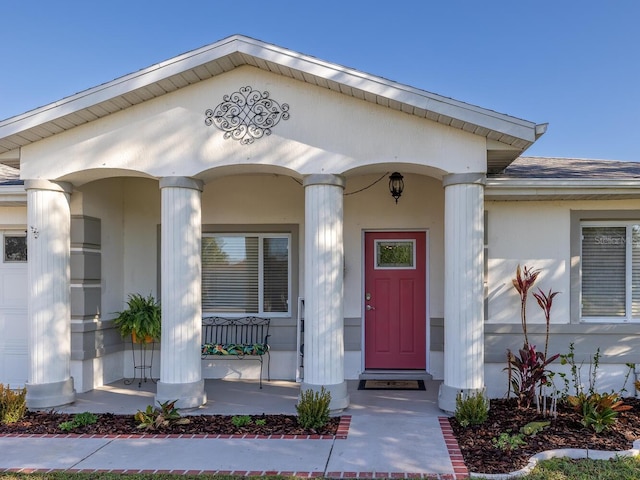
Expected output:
{"points": [[545, 300], [528, 371], [525, 278]]}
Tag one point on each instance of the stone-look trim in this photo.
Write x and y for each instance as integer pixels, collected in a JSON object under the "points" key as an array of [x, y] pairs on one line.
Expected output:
{"points": [[324, 297], [180, 362], [464, 289], [606, 336], [49, 334]]}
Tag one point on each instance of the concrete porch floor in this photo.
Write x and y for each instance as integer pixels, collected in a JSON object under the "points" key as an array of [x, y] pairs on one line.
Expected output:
{"points": [[238, 397]]}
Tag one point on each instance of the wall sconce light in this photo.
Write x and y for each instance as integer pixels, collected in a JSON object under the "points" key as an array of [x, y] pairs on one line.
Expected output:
{"points": [[396, 185]]}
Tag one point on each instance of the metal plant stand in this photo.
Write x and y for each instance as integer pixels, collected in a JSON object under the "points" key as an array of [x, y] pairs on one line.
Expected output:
{"points": [[142, 363]]}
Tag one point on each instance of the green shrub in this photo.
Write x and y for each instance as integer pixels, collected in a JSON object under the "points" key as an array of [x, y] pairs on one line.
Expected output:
{"points": [[13, 404], [313, 408], [599, 411], [241, 420], [152, 418], [507, 442], [471, 409], [79, 420]]}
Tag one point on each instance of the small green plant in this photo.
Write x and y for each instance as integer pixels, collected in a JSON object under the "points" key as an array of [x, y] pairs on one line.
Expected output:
{"points": [[152, 418], [13, 404], [313, 408], [599, 411], [471, 409], [261, 422], [241, 420], [79, 420], [508, 442], [532, 428]]}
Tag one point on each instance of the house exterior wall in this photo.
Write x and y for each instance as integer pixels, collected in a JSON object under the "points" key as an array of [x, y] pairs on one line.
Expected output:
{"points": [[540, 234], [257, 184]]}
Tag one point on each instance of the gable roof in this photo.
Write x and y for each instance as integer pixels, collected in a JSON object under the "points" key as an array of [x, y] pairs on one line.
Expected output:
{"points": [[509, 136]]}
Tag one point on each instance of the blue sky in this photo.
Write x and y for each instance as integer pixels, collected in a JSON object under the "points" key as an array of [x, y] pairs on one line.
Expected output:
{"points": [[573, 64]]}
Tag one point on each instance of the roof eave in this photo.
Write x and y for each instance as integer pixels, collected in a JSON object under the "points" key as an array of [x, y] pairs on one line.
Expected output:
{"points": [[560, 189]]}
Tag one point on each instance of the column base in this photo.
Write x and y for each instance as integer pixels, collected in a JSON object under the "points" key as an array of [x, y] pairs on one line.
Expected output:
{"points": [[188, 395], [339, 396], [50, 395], [447, 396]]}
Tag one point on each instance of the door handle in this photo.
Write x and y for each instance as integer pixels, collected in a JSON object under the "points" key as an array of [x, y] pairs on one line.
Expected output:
{"points": [[369, 307]]}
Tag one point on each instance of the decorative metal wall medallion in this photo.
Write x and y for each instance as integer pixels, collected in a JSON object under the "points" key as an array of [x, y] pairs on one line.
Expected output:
{"points": [[246, 115]]}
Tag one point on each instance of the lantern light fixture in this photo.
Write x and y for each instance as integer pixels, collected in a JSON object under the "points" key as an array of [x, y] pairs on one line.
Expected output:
{"points": [[396, 185]]}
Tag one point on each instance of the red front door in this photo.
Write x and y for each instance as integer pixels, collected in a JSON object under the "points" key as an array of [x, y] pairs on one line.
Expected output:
{"points": [[395, 300]]}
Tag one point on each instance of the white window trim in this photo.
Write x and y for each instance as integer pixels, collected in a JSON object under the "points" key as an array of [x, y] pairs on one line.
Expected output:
{"points": [[12, 233], [628, 318], [260, 236]]}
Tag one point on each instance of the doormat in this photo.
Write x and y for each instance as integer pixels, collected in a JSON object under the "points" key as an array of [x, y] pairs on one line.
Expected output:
{"points": [[391, 385]]}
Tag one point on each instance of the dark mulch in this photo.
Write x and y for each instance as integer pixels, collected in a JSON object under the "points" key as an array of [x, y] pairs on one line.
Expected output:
{"points": [[109, 423], [481, 456]]}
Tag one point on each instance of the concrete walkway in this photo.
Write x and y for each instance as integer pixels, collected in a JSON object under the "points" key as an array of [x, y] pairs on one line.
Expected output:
{"points": [[393, 434]]}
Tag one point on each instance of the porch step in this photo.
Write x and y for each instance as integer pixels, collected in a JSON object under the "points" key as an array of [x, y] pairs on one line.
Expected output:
{"points": [[395, 375]]}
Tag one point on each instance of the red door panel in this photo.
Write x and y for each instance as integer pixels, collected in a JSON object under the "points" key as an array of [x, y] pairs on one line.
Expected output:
{"points": [[395, 300]]}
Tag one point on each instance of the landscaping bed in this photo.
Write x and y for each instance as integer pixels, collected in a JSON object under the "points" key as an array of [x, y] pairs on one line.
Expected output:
{"points": [[482, 455], [111, 424]]}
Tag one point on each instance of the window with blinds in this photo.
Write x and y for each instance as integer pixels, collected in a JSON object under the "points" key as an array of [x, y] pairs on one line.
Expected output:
{"points": [[610, 271], [245, 274]]}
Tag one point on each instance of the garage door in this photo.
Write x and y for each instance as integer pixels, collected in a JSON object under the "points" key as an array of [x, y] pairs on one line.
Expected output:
{"points": [[13, 309]]}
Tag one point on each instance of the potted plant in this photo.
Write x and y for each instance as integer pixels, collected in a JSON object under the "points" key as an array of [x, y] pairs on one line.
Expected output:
{"points": [[141, 319]]}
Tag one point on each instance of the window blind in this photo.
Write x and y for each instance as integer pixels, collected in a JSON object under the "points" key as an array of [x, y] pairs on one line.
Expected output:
{"points": [[604, 271], [230, 274]]}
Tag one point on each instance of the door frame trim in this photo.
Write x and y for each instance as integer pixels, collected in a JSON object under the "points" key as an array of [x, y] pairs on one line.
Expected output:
{"points": [[362, 290]]}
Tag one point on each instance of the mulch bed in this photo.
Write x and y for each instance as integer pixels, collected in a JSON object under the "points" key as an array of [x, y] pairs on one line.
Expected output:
{"points": [[481, 456], [111, 424]]}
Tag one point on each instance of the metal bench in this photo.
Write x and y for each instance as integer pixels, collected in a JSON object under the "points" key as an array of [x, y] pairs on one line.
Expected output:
{"points": [[245, 338]]}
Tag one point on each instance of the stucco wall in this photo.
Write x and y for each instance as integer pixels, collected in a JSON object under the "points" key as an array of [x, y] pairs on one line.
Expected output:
{"points": [[327, 133], [539, 234]]}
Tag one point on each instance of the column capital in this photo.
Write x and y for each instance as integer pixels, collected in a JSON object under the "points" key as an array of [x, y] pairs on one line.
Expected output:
{"points": [[464, 178], [63, 187], [182, 182], [324, 179]]}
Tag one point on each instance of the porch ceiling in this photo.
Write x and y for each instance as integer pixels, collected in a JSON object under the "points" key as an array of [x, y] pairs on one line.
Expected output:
{"points": [[512, 134]]}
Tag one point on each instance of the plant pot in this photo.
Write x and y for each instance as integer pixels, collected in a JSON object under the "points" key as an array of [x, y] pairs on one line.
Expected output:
{"points": [[146, 339]]}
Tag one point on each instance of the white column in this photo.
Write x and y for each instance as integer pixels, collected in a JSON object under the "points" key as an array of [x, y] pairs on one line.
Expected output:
{"points": [[180, 363], [323, 279], [463, 279], [49, 312]]}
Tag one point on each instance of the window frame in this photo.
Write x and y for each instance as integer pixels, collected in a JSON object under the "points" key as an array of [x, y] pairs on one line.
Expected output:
{"points": [[261, 236], [12, 234], [628, 280]]}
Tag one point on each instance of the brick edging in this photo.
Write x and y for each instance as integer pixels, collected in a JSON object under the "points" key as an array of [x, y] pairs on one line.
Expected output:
{"points": [[341, 434], [455, 454], [243, 473]]}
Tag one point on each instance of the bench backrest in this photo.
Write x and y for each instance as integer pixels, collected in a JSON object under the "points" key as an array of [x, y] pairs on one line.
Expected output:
{"points": [[245, 330]]}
